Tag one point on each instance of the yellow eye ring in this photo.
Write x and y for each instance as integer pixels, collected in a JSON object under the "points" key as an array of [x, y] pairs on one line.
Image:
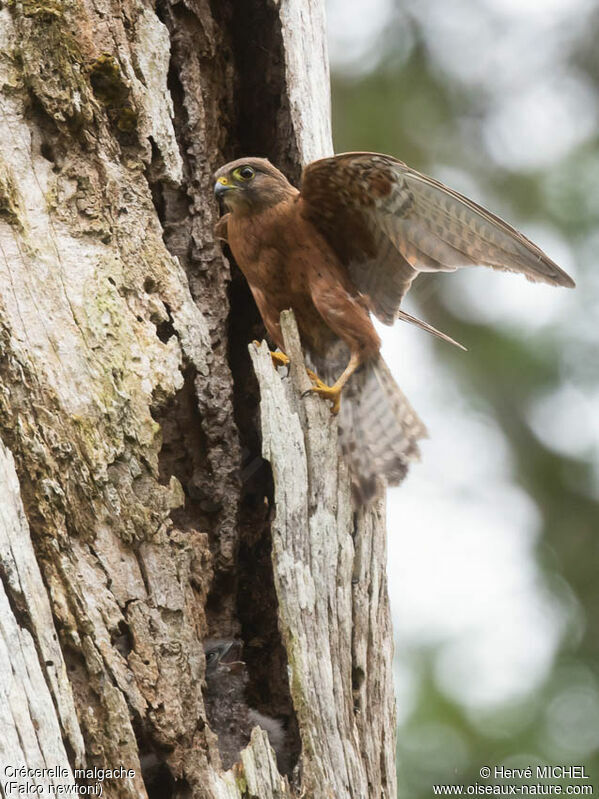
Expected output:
{"points": [[244, 173]]}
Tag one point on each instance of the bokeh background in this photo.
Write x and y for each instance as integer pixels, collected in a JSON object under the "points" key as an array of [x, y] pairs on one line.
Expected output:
{"points": [[493, 539]]}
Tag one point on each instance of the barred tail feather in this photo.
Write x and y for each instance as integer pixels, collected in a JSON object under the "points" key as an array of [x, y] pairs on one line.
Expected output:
{"points": [[378, 430]]}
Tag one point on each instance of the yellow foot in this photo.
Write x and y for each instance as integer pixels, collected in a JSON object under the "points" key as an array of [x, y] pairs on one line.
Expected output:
{"points": [[332, 393], [278, 358]]}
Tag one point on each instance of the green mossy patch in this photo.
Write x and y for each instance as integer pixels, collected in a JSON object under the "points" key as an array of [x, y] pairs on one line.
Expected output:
{"points": [[126, 120], [53, 60], [58, 72], [107, 81], [112, 90], [48, 10], [11, 205]]}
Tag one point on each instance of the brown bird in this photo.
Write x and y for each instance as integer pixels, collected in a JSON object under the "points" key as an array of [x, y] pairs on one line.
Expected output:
{"points": [[349, 244]]}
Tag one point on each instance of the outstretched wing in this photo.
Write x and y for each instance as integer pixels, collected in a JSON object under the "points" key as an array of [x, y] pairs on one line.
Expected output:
{"points": [[387, 223]]}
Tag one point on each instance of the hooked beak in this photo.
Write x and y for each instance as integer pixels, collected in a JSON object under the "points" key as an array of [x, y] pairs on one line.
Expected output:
{"points": [[231, 656], [222, 186]]}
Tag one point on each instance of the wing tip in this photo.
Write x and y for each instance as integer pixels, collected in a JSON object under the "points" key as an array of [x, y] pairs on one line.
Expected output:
{"points": [[567, 282], [553, 277]]}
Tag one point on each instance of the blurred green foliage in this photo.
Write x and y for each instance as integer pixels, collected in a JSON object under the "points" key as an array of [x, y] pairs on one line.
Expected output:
{"points": [[406, 105]]}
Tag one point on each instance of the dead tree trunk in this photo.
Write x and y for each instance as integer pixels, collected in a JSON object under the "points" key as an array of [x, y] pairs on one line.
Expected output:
{"points": [[137, 514]]}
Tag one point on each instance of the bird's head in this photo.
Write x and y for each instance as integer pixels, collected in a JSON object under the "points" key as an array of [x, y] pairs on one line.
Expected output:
{"points": [[223, 655], [250, 185]]}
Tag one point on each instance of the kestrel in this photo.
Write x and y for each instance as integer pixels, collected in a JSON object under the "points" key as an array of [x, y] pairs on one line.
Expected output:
{"points": [[227, 708], [349, 244]]}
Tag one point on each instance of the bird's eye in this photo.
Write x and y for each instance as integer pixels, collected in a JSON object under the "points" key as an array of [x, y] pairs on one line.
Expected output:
{"points": [[210, 656], [245, 173]]}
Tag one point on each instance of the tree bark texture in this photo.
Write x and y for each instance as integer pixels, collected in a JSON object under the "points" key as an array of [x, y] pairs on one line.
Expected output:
{"points": [[152, 491]]}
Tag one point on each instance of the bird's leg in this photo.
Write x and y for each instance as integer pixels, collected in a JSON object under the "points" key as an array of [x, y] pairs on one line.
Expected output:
{"points": [[334, 392], [278, 358], [314, 378]]}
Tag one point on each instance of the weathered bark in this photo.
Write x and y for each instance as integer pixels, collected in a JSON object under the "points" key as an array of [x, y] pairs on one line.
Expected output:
{"points": [[330, 580], [135, 508]]}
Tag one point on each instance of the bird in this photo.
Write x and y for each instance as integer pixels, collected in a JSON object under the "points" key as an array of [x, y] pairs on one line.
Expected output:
{"points": [[228, 712], [346, 246]]}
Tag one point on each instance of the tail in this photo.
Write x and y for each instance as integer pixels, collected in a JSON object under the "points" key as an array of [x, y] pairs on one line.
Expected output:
{"points": [[378, 430]]}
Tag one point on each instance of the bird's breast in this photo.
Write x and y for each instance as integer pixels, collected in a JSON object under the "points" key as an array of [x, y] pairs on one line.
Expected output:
{"points": [[282, 256]]}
